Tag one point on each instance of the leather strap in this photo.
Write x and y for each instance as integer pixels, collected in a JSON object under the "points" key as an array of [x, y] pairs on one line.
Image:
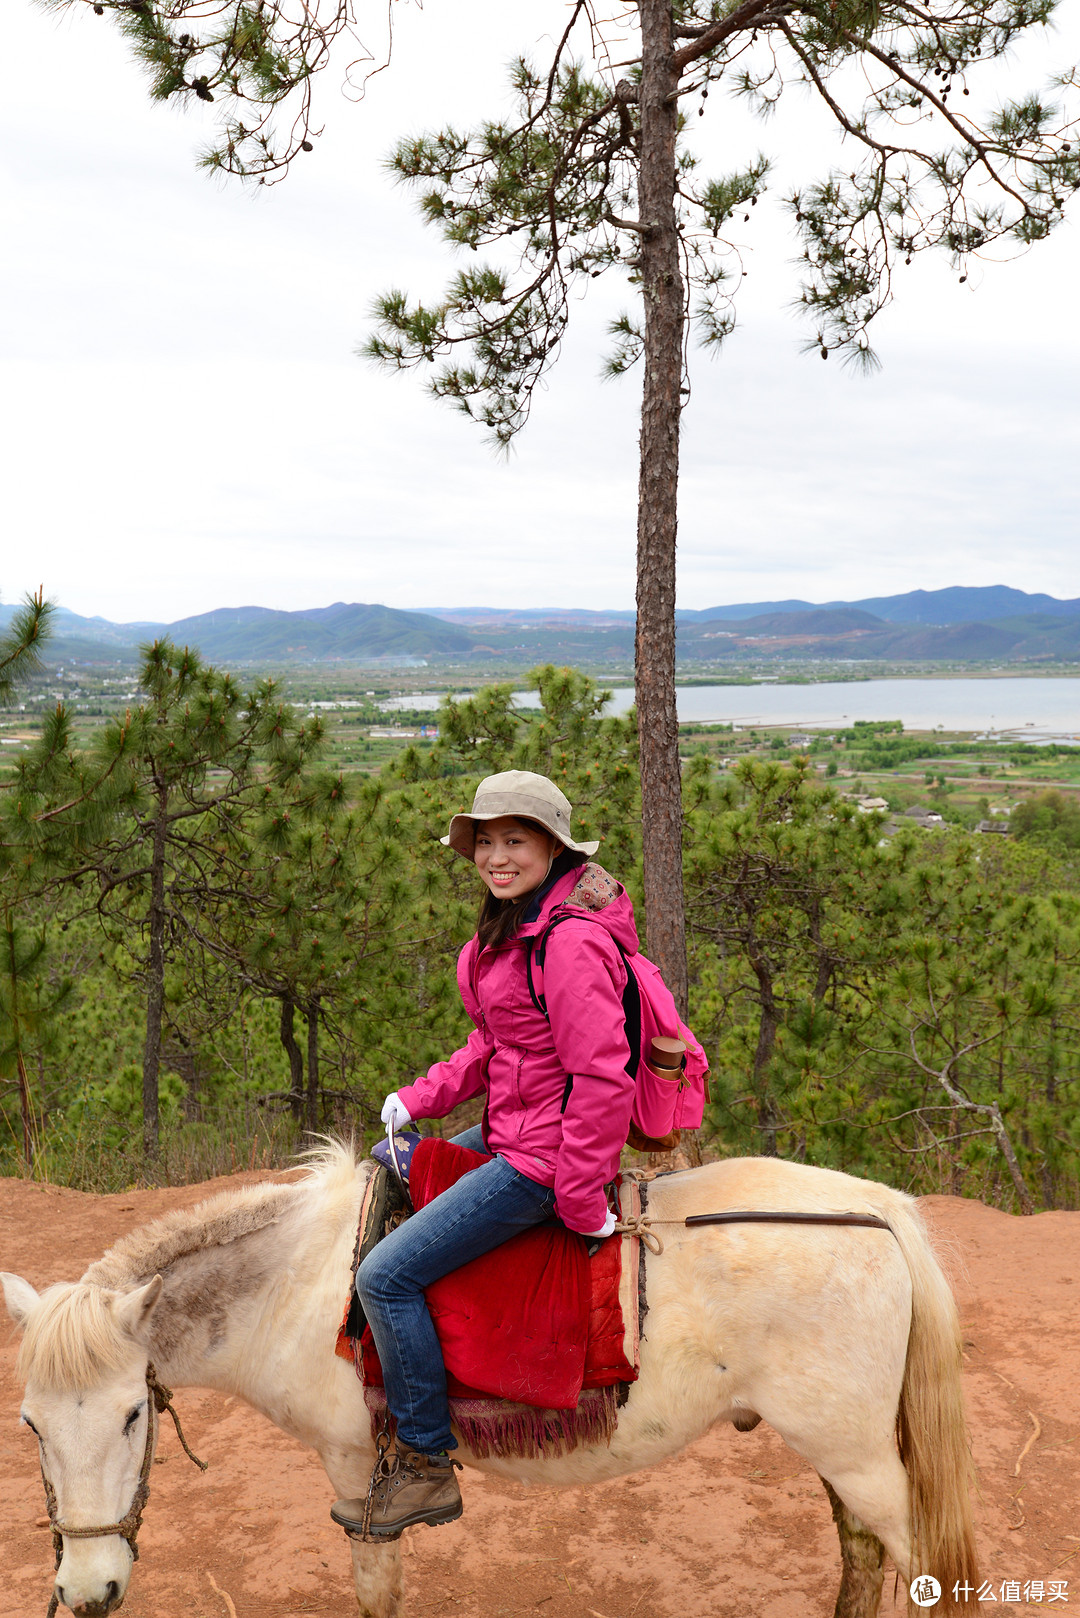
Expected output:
{"points": [[759, 1216]]}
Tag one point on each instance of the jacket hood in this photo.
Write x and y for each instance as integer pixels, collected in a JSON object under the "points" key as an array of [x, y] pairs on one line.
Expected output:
{"points": [[584, 891]]}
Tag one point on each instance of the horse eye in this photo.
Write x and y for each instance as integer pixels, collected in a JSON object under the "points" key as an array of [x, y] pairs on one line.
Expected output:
{"points": [[132, 1418], [28, 1423]]}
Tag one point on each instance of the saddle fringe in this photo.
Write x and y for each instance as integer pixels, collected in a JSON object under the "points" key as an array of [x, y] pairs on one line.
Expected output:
{"points": [[490, 1427]]}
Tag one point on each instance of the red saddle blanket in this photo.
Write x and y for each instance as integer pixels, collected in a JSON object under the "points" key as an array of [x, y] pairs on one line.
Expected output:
{"points": [[535, 1320]]}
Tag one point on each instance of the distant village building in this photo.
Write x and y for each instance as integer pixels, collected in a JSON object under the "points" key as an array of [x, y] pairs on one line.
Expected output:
{"points": [[383, 733], [869, 805], [800, 741], [1000, 826], [923, 816]]}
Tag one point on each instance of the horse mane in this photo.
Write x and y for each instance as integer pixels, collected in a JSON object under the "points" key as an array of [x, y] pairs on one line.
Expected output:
{"points": [[72, 1338], [152, 1249]]}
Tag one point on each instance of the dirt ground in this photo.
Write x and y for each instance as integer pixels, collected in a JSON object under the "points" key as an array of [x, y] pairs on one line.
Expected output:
{"points": [[737, 1527]]}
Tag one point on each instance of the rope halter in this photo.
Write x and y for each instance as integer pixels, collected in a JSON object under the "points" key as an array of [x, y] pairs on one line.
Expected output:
{"points": [[159, 1400]]}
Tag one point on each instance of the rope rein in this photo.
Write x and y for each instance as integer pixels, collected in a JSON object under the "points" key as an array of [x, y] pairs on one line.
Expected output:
{"points": [[380, 1470], [640, 1225], [159, 1400], [163, 1402]]}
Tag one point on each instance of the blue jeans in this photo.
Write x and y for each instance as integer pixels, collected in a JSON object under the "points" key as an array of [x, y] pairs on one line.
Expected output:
{"points": [[480, 1211]]}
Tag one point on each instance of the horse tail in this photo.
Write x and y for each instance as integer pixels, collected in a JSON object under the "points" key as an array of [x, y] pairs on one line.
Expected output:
{"points": [[930, 1427]]}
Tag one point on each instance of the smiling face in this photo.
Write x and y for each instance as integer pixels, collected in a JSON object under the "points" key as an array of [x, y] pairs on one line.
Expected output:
{"points": [[513, 856]]}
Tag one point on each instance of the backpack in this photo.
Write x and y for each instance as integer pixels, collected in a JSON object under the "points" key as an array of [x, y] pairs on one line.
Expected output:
{"points": [[662, 1107]]}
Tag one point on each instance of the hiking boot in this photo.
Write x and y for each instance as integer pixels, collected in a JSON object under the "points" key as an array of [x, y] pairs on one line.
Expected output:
{"points": [[406, 1488]]}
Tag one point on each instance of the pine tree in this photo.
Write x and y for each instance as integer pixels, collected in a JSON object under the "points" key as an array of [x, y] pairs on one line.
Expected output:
{"points": [[28, 1005], [778, 868], [143, 817], [22, 949], [591, 178], [310, 909], [899, 1006]]}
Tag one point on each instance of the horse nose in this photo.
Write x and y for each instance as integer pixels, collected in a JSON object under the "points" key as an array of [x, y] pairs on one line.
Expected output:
{"points": [[93, 1609]]}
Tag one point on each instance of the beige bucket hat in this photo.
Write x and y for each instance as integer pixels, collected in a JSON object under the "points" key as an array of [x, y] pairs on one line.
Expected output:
{"points": [[521, 793]]}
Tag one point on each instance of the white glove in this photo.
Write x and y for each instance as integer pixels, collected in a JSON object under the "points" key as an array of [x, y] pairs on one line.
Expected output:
{"points": [[395, 1114], [608, 1229]]}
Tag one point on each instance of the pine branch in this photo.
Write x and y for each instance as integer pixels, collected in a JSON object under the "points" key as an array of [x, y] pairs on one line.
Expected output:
{"points": [[20, 645], [745, 17]]}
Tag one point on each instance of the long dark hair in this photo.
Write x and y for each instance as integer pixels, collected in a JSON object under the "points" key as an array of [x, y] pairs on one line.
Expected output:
{"points": [[499, 919]]}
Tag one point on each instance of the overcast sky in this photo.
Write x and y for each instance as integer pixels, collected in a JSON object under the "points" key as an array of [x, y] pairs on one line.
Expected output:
{"points": [[186, 425]]}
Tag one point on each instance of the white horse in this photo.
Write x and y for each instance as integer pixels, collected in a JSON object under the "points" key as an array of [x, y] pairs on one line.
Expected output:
{"points": [[844, 1339]]}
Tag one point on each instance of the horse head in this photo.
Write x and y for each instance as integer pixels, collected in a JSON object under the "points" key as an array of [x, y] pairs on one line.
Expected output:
{"points": [[83, 1360]]}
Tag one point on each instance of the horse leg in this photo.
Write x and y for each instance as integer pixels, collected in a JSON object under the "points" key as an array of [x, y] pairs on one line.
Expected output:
{"points": [[863, 1557], [377, 1577], [376, 1568]]}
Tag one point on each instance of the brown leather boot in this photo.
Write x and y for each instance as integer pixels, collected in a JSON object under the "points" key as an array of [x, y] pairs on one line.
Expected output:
{"points": [[406, 1488]]}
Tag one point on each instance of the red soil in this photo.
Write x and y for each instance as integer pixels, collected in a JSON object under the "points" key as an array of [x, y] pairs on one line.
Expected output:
{"points": [[737, 1527]]}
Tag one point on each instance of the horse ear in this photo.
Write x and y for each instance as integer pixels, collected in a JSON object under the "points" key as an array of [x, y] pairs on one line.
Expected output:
{"points": [[133, 1309], [19, 1296]]}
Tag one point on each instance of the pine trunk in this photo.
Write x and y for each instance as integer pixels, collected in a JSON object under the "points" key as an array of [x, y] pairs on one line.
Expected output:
{"points": [[26, 1108], [768, 1027], [665, 313], [155, 978], [312, 1014], [292, 1050], [25, 1105]]}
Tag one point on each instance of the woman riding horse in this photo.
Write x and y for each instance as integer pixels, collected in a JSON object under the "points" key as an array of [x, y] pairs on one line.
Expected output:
{"points": [[550, 1150]]}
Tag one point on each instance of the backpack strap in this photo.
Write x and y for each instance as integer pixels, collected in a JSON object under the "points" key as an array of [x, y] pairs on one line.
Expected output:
{"points": [[535, 955]]}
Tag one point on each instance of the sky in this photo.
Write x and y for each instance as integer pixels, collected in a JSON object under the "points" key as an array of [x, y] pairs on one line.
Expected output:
{"points": [[186, 424]]}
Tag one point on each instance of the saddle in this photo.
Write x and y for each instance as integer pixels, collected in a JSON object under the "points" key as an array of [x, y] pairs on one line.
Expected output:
{"points": [[540, 1339]]}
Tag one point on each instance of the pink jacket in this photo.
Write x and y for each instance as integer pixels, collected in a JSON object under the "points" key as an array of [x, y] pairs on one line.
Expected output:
{"points": [[522, 1060]]}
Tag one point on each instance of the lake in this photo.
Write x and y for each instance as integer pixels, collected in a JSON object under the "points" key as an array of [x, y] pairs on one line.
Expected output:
{"points": [[1036, 709]]}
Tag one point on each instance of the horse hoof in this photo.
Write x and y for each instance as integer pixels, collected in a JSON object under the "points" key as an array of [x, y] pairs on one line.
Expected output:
{"points": [[744, 1421]]}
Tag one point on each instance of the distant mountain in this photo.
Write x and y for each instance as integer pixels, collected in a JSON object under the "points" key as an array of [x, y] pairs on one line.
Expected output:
{"points": [[815, 621], [966, 604], [748, 609], [920, 626], [346, 631], [851, 634], [90, 631], [959, 604], [490, 617], [342, 631]]}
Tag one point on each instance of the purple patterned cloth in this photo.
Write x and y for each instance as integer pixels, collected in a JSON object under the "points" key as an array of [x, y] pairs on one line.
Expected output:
{"points": [[404, 1145]]}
